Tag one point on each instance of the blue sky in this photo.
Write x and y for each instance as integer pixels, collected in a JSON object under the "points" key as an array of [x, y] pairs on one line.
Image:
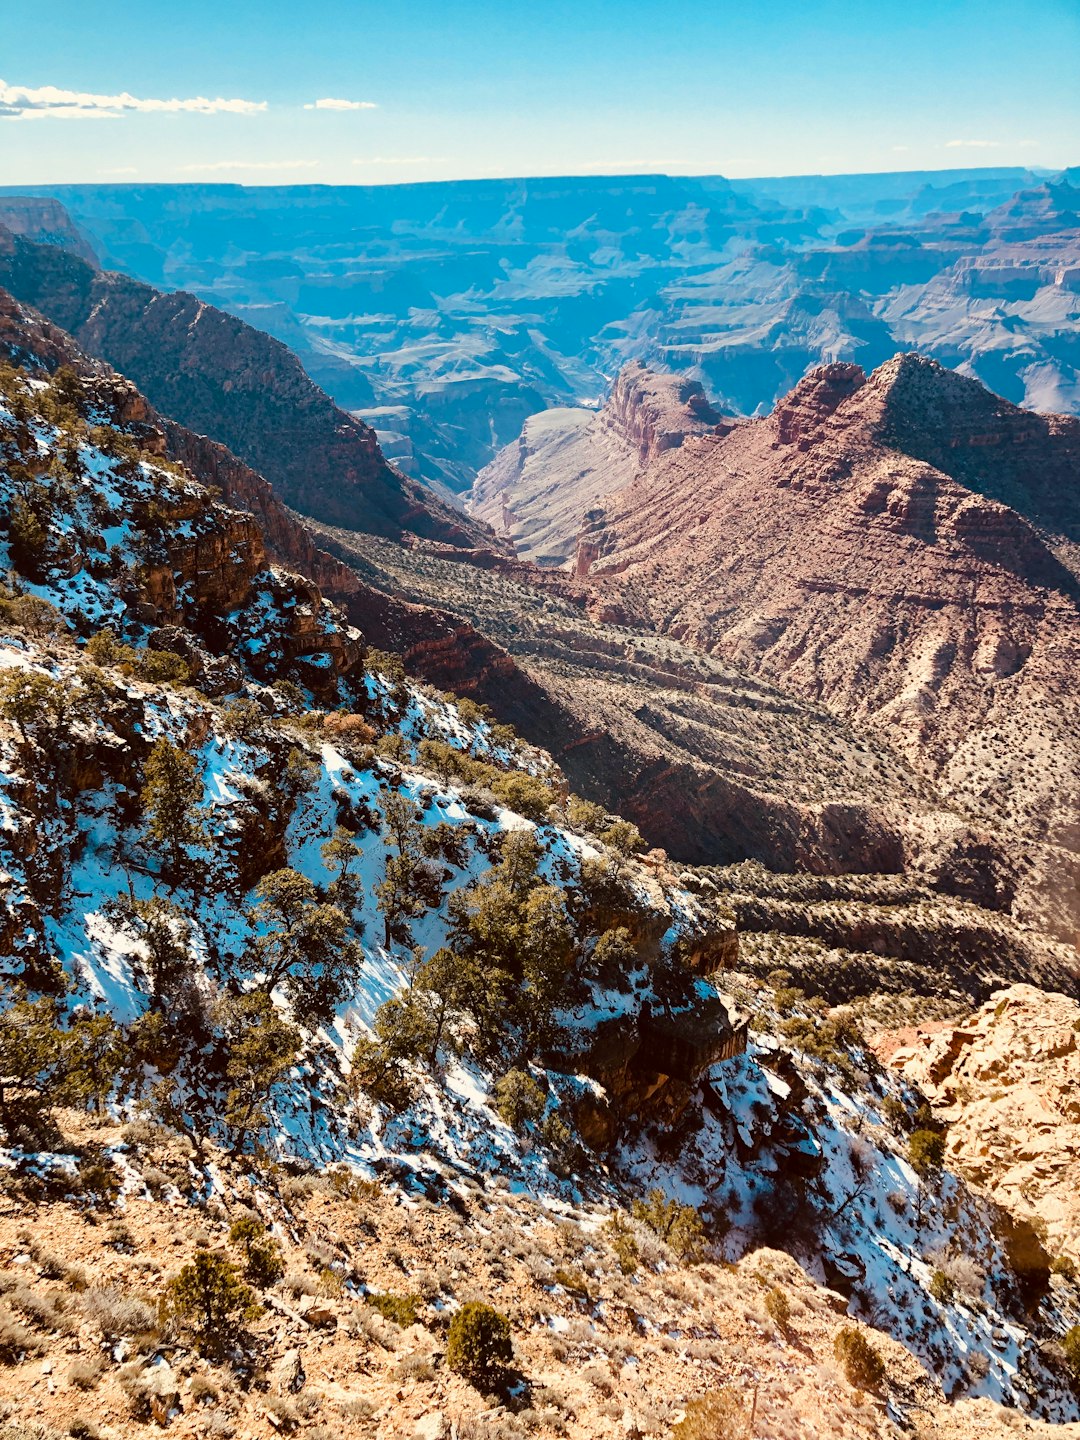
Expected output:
{"points": [[464, 88]]}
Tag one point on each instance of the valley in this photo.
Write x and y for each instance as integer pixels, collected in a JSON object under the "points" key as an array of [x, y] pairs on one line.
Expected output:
{"points": [[559, 918]]}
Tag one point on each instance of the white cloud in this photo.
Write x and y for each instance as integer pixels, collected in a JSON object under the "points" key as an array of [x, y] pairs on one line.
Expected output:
{"points": [[899, 149], [120, 170], [330, 104], [253, 165], [24, 102]]}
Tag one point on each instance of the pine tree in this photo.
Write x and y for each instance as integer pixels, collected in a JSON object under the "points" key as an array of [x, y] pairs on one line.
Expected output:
{"points": [[305, 946], [35, 704], [93, 1051], [172, 791], [209, 1300], [165, 933], [261, 1048], [339, 855]]}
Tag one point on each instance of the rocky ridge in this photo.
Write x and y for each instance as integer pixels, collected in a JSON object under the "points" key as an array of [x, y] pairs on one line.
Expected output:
{"points": [[1005, 1082], [936, 606], [218, 376]]}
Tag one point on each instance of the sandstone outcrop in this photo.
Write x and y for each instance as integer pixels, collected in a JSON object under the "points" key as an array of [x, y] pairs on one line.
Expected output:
{"points": [[1007, 1083]]}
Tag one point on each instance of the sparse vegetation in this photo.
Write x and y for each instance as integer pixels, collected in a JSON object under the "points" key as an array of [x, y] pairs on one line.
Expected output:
{"points": [[478, 1344], [861, 1363]]}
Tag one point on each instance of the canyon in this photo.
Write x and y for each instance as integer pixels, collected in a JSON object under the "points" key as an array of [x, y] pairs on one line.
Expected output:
{"points": [[800, 1062], [448, 313]]}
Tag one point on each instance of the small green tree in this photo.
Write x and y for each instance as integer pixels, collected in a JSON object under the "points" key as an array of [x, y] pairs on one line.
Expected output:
{"points": [[263, 1264], [340, 854], [479, 1345], [624, 839], [1070, 1348], [93, 1053], [209, 1301], [525, 794], [261, 1048], [172, 791], [29, 519], [519, 1099], [614, 955], [585, 814], [35, 704], [32, 614], [165, 933], [861, 1362], [926, 1151], [304, 946], [678, 1225], [778, 1306], [622, 1240], [32, 1073]]}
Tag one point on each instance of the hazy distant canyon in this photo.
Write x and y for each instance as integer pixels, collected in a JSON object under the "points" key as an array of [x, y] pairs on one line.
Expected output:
{"points": [[447, 314]]}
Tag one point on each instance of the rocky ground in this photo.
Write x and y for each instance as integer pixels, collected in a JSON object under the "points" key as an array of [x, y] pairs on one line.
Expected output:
{"points": [[597, 1352]]}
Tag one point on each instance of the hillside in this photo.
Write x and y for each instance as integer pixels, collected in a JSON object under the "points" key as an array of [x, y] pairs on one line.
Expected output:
{"points": [[900, 549], [220, 377], [321, 985]]}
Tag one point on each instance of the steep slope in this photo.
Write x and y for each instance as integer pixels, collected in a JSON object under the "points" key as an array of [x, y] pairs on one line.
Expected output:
{"points": [[1004, 1080], [29, 340], [712, 763], [538, 491], [223, 378], [815, 548]]}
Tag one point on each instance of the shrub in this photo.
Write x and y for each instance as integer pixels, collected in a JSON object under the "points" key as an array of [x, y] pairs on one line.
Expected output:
{"points": [[16, 1341], [861, 1362], [263, 1264], [778, 1307], [525, 794], [1070, 1348], [80, 1428], [85, 1374], [718, 1416], [926, 1151], [163, 667], [209, 1300], [942, 1288], [116, 1315], [678, 1225], [403, 1310], [478, 1346], [626, 1248], [519, 1099]]}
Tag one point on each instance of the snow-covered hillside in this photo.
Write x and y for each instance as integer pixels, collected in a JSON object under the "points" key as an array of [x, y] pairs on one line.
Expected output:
{"points": [[298, 908]]}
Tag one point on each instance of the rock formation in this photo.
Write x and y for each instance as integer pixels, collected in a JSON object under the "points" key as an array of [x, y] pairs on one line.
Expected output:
{"points": [[1006, 1082], [902, 549], [539, 490]]}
